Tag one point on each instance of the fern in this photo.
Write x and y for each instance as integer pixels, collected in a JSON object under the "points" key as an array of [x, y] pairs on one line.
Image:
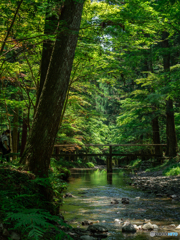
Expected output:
{"points": [[36, 232], [41, 181], [34, 221]]}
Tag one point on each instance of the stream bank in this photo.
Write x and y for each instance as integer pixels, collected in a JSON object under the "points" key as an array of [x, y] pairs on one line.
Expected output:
{"points": [[155, 182], [97, 198]]}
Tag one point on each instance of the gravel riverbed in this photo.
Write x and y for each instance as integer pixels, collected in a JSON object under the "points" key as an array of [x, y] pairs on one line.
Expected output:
{"points": [[155, 182]]}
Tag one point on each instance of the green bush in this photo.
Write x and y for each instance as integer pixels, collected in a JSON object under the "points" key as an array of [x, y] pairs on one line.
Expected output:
{"points": [[90, 164], [172, 170]]}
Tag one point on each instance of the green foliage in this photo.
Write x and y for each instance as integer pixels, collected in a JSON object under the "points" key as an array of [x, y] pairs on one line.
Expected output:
{"points": [[173, 169], [117, 88], [117, 85], [35, 221], [135, 163], [90, 164], [23, 207]]}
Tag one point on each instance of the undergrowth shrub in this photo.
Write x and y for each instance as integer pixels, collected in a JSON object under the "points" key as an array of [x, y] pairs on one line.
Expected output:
{"points": [[32, 222], [23, 208], [172, 170], [90, 164]]}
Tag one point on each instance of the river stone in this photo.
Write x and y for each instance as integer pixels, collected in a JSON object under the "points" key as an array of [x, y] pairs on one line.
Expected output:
{"points": [[117, 221], [147, 226], [114, 201], [86, 223], [86, 237], [128, 227], [155, 226], [173, 196], [172, 225], [137, 198], [178, 227], [15, 236], [97, 229], [68, 195], [147, 220], [137, 227], [125, 200]]}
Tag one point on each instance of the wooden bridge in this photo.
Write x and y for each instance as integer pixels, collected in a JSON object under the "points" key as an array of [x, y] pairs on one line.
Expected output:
{"points": [[110, 154], [76, 153]]}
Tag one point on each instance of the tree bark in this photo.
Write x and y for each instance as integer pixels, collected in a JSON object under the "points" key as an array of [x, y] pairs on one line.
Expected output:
{"points": [[24, 134], [39, 147], [170, 124], [51, 24], [155, 120], [15, 132], [170, 130], [156, 136]]}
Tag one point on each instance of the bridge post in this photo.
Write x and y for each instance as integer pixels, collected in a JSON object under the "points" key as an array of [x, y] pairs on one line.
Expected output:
{"points": [[109, 161]]}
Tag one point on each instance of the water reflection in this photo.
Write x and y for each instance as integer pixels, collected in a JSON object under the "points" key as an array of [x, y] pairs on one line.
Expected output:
{"points": [[94, 190], [109, 178]]}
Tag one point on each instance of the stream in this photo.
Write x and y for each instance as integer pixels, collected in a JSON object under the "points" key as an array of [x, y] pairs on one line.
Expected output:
{"points": [[93, 191]]}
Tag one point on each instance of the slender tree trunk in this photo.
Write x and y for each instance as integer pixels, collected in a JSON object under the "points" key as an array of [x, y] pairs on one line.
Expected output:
{"points": [[18, 141], [15, 132], [170, 130], [170, 124], [46, 120], [155, 121], [156, 136], [24, 134], [12, 23]]}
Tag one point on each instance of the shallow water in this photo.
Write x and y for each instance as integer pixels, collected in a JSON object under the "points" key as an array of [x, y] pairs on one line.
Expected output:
{"points": [[93, 191]]}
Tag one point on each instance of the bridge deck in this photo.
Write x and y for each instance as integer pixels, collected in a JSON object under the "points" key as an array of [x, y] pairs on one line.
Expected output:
{"points": [[109, 155]]}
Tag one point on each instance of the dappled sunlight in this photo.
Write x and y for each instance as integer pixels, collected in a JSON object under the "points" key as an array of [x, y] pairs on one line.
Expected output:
{"points": [[93, 202]]}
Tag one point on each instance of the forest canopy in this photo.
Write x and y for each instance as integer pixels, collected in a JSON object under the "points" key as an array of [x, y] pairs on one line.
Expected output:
{"points": [[124, 82]]}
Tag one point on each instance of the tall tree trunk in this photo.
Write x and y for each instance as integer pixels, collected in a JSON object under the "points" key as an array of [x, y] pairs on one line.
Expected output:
{"points": [[24, 134], [170, 130], [51, 24], [40, 143], [170, 125], [156, 136], [47, 117], [15, 132], [155, 120]]}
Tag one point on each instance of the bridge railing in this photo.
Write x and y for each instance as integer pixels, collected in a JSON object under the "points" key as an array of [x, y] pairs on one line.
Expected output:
{"points": [[109, 155]]}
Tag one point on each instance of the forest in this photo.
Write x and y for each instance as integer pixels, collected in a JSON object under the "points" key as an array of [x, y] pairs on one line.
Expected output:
{"points": [[81, 73]]}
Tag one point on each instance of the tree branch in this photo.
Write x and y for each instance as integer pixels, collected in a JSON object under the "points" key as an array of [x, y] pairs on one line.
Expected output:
{"points": [[12, 23]]}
